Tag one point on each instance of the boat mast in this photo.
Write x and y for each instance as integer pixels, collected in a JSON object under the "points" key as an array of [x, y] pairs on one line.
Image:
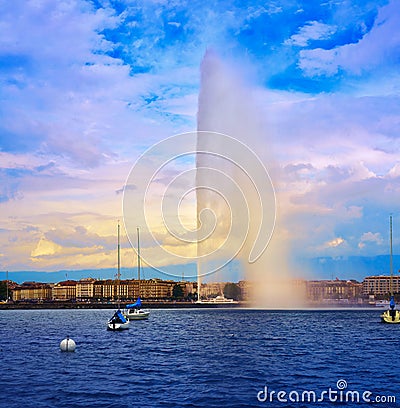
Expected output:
{"points": [[7, 286], [138, 261], [198, 281], [391, 259], [119, 268]]}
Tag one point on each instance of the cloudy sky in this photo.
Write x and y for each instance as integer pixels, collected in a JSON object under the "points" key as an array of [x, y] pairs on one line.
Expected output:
{"points": [[88, 86]]}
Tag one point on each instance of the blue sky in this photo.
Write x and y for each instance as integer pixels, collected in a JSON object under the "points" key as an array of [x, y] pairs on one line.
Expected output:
{"points": [[88, 86]]}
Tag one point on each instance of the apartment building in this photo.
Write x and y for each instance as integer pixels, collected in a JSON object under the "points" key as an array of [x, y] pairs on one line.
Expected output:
{"points": [[318, 290], [64, 290], [380, 285], [32, 291]]}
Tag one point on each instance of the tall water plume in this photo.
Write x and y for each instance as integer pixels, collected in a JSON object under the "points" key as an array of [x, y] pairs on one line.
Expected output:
{"points": [[240, 227]]}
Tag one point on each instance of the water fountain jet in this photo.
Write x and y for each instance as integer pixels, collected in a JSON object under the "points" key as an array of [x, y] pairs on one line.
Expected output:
{"points": [[227, 106]]}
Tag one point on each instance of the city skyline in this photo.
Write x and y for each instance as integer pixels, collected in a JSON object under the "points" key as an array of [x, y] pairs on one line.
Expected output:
{"points": [[87, 87], [352, 268]]}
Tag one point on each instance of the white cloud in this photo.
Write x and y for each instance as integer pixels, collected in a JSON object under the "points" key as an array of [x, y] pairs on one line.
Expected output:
{"points": [[375, 49], [394, 172], [319, 62], [335, 242], [75, 107], [313, 30], [370, 237], [174, 24]]}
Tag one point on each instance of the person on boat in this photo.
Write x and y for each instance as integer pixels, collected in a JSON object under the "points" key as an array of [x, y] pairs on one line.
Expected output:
{"points": [[117, 317], [392, 305]]}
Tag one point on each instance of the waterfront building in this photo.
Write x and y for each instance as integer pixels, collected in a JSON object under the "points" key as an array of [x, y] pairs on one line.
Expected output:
{"points": [[90, 289], [133, 288], [110, 289], [320, 290], [122, 289], [32, 291], [85, 289], [188, 288], [380, 285], [65, 290], [246, 288], [104, 289], [98, 290], [212, 289], [156, 289]]}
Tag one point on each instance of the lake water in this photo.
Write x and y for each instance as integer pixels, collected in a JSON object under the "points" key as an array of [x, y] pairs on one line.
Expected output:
{"points": [[198, 358]]}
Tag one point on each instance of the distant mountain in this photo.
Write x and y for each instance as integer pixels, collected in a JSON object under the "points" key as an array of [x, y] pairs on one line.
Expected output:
{"points": [[352, 267], [35, 276], [173, 273]]}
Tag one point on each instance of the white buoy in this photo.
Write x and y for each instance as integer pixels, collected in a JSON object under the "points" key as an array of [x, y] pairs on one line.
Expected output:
{"points": [[67, 345]]}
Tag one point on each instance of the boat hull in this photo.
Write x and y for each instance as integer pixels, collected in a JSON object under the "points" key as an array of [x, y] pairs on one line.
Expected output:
{"points": [[136, 314], [219, 300], [115, 326], [391, 316], [382, 303]]}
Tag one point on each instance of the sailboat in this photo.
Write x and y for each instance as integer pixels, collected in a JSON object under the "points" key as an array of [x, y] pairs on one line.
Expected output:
{"points": [[391, 315], [134, 311], [118, 321]]}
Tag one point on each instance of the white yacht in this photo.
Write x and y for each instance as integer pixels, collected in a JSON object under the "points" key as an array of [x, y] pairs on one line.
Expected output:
{"points": [[382, 303], [217, 300], [134, 311]]}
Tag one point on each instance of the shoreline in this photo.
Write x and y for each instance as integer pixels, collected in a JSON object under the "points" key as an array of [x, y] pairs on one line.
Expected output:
{"points": [[171, 305], [112, 305]]}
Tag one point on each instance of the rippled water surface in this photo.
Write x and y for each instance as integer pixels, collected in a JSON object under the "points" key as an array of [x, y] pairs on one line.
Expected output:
{"points": [[195, 358]]}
